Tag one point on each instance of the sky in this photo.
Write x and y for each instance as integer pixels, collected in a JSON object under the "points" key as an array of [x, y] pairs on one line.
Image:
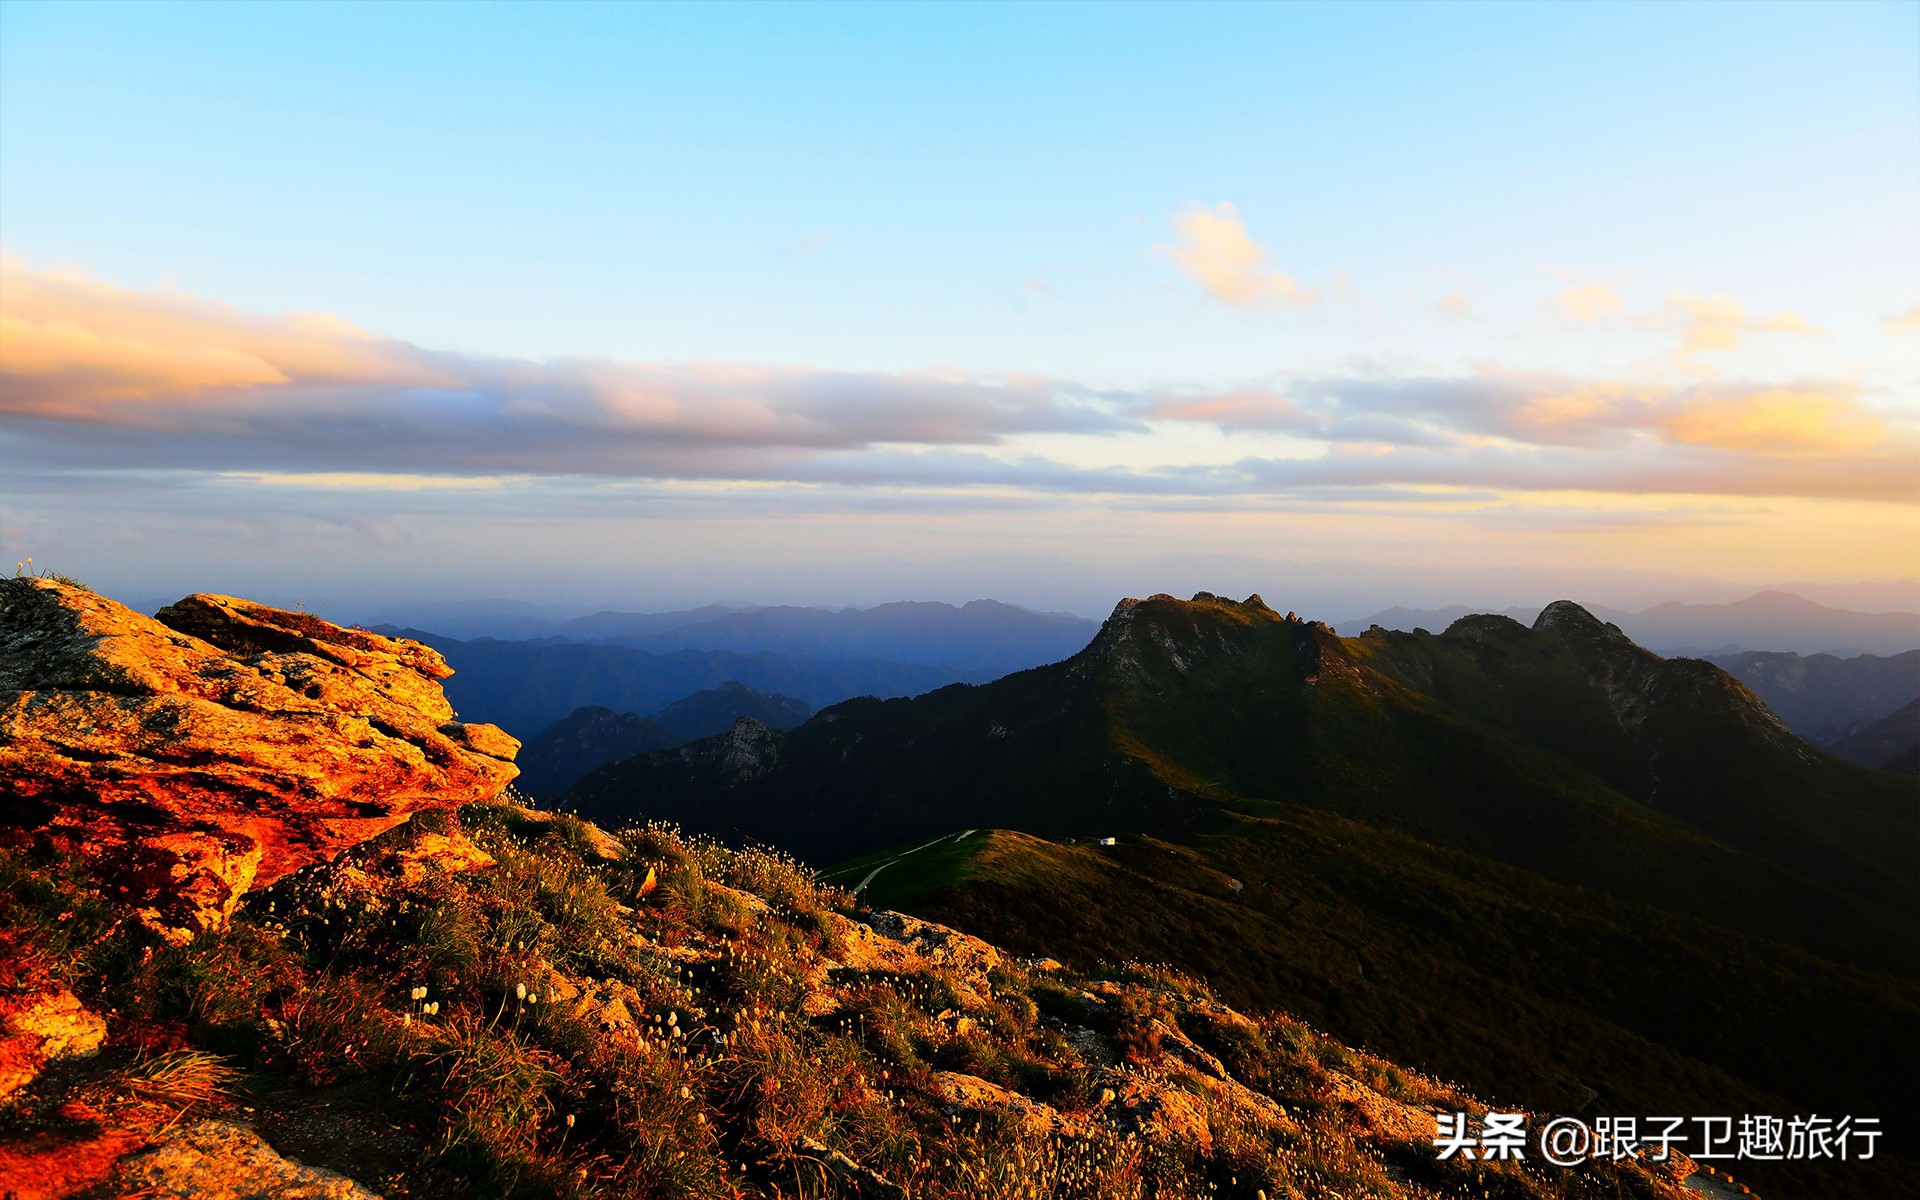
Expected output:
{"points": [[649, 304]]}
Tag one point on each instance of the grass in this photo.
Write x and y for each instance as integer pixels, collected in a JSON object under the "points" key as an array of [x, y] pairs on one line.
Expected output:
{"points": [[26, 570], [1399, 950], [556, 1026]]}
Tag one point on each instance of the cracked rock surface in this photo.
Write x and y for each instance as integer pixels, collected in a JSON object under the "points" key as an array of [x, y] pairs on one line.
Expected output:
{"points": [[195, 755]]}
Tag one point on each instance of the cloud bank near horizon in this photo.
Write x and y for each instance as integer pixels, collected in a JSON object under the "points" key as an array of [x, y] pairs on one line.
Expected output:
{"points": [[99, 378]]}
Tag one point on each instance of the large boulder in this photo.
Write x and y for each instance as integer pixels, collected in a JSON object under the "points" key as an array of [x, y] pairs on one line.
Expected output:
{"points": [[198, 754]]}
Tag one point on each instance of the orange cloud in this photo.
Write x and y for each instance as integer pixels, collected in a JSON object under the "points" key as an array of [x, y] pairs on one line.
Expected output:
{"points": [[1776, 421], [76, 350], [1906, 322], [1454, 304], [94, 377], [1720, 323], [1495, 408], [1803, 419], [69, 344], [1236, 410], [1589, 302], [1214, 248]]}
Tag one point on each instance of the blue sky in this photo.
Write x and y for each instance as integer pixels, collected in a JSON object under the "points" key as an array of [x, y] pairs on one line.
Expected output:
{"points": [[1701, 223]]}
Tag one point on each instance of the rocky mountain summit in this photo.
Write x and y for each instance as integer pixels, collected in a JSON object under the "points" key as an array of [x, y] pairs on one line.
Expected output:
{"points": [[195, 755], [386, 977]]}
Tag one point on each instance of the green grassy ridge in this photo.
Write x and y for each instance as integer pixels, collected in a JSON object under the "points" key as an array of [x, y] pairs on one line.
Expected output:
{"points": [[910, 873], [1430, 957]]}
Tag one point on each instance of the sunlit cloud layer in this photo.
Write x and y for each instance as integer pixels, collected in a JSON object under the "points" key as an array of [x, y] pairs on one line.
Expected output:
{"points": [[97, 378], [1544, 410], [312, 389]]}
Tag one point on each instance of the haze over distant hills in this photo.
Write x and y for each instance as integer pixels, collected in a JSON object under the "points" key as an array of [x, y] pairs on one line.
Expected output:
{"points": [[1777, 621], [1891, 743], [592, 736], [1820, 696], [981, 635], [1040, 583], [823, 656], [524, 686]]}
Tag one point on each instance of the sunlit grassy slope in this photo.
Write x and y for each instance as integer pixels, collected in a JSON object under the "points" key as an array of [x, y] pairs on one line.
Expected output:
{"points": [[655, 1017]]}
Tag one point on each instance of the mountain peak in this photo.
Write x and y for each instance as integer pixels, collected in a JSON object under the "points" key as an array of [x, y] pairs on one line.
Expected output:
{"points": [[1202, 606], [1566, 617]]}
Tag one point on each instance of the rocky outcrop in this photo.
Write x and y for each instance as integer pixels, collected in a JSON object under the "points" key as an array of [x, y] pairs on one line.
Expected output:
{"points": [[43, 1025], [898, 944], [209, 750], [970, 1093], [219, 1160]]}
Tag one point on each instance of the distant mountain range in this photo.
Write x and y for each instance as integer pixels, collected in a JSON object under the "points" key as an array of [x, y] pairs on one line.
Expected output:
{"points": [[982, 637], [1821, 697], [525, 686], [592, 736], [1892, 743], [1776, 621], [1520, 854]]}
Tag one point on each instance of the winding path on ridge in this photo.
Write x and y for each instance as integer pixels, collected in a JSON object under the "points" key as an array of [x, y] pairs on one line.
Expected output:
{"points": [[945, 837]]}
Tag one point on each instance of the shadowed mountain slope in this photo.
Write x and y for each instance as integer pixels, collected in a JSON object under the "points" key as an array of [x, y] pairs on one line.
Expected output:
{"points": [[1770, 622], [1820, 696], [1892, 743], [588, 737], [525, 686], [592, 736], [981, 635], [714, 710], [1563, 748], [1535, 857]]}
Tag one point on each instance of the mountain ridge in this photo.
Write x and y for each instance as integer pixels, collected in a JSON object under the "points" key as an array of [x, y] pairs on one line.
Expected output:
{"points": [[1767, 621], [591, 736], [1584, 815]]}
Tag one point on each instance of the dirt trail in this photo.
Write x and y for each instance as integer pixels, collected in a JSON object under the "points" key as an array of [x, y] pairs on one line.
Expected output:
{"points": [[945, 837]]}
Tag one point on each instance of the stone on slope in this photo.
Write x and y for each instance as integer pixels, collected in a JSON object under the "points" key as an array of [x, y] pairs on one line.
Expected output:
{"points": [[43, 1025], [218, 1160], [196, 755]]}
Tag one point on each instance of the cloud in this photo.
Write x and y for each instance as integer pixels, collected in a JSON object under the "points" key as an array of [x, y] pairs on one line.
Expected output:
{"points": [[312, 392], [96, 380], [1719, 323], [72, 347], [1884, 476], [1589, 302], [813, 243], [1548, 410], [1454, 304], [1213, 246], [1906, 322], [1774, 420]]}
